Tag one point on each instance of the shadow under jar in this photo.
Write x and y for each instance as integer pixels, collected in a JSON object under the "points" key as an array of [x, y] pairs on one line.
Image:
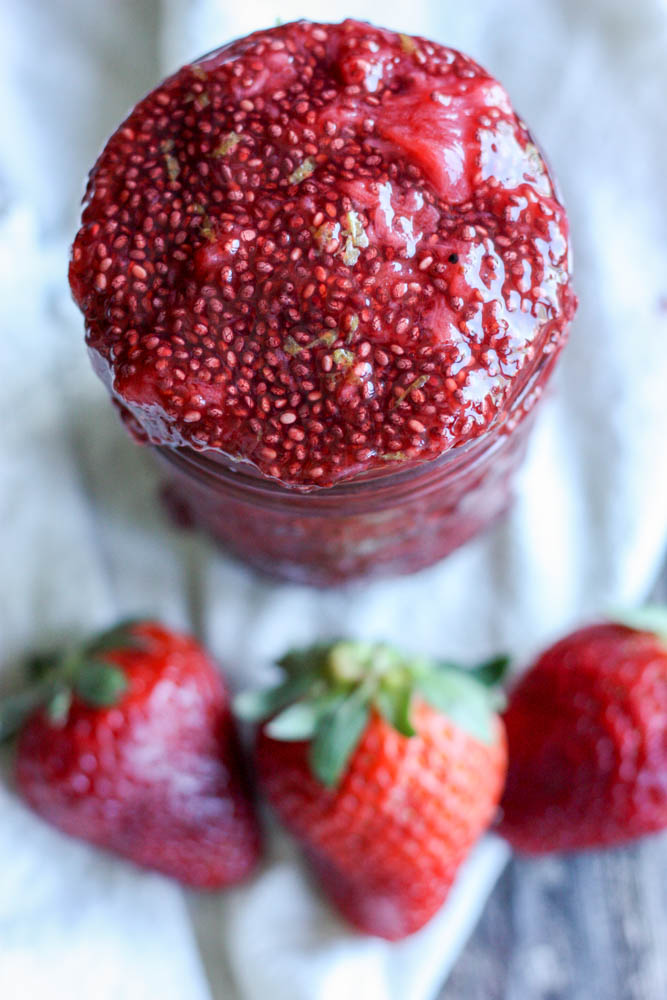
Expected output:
{"points": [[376, 525]]}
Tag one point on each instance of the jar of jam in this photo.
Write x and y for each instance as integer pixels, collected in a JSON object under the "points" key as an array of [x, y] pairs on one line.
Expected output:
{"points": [[325, 272]]}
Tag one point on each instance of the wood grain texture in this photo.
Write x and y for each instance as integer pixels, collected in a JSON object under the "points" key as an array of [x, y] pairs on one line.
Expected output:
{"points": [[573, 927]]}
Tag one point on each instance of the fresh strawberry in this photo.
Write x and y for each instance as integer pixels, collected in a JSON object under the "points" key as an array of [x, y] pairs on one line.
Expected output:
{"points": [[587, 734], [386, 769], [129, 743]]}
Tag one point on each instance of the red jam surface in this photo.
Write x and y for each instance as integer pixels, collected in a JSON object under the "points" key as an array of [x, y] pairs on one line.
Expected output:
{"points": [[324, 250]]}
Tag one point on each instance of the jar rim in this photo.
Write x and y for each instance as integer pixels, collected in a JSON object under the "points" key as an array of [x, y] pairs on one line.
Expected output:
{"points": [[244, 478], [242, 475]]}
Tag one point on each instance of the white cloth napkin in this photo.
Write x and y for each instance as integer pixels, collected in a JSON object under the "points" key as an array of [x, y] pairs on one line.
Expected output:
{"points": [[83, 539]]}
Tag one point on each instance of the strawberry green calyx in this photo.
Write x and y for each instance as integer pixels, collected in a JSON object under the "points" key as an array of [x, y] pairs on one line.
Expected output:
{"points": [[331, 688], [650, 618], [83, 670]]}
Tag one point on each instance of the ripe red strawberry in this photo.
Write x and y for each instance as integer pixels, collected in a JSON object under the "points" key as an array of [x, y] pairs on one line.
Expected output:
{"points": [[587, 734], [386, 769], [130, 744]]}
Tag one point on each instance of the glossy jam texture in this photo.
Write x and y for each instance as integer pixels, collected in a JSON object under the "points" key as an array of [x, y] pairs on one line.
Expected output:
{"points": [[322, 249]]}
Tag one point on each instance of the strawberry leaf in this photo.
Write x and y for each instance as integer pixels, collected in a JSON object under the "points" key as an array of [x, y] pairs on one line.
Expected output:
{"points": [[58, 706], [255, 706], [394, 705], [296, 722], [650, 618], [312, 659], [99, 684], [337, 736], [39, 665], [491, 672], [120, 636], [299, 721], [461, 698], [15, 709]]}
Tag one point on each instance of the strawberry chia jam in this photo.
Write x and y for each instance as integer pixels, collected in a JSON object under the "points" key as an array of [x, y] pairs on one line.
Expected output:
{"points": [[326, 271]]}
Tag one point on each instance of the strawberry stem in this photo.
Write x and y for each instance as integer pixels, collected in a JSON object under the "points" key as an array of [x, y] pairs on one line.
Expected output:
{"points": [[16, 708]]}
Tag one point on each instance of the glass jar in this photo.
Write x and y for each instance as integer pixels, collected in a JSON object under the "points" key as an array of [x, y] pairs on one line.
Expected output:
{"points": [[373, 526]]}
